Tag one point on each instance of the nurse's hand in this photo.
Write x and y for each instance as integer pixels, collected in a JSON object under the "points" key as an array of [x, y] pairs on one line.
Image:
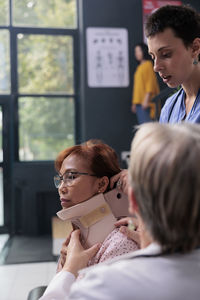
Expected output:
{"points": [[77, 257], [122, 181]]}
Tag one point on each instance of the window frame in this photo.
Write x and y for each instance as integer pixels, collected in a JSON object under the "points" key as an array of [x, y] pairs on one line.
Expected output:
{"points": [[9, 103], [14, 75]]}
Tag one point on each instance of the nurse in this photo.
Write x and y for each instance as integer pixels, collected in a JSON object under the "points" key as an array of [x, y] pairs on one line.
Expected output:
{"points": [[173, 37]]}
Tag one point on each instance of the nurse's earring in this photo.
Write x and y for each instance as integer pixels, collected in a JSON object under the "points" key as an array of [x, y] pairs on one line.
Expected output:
{"points": [[195, 62]]}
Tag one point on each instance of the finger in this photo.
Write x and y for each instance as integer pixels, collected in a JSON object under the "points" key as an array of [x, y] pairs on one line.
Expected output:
{"points": [[125, 187], [124, 181], [93, 250], [63, 261], [63, 251], [59, 265], [62, 256], [64, 248], [126, 221], [119, 184], [123, 221], [132, 235], [75, 234], [66, 242], [114, 179], [75, 237]]}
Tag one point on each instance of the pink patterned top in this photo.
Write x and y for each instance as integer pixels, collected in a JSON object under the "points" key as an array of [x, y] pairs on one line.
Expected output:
{"points": [[115, 244]]}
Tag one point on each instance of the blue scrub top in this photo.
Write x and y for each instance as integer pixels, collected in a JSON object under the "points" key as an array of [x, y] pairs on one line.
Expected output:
{"points": [[174, 109]]}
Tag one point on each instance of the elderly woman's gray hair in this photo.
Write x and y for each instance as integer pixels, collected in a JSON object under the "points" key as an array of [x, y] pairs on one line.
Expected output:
{"points": [[164, 173]]}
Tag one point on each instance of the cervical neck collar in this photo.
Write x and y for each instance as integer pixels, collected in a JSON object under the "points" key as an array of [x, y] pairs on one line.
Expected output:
{"points": [[96, 217]]}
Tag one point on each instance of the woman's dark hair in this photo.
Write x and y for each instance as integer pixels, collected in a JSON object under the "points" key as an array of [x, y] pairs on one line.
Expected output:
{"points": [[183, 20], [144, 49]]}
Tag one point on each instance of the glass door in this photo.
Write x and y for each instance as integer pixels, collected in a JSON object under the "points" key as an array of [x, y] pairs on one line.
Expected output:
{"points": [[5, 166], [1, 170]]}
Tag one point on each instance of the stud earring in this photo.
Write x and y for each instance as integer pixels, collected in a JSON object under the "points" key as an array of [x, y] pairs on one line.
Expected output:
{"points": [[195, 62]]}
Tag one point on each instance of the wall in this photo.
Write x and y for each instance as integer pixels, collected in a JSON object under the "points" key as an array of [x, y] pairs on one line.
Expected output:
{"points": [[105, 112]]}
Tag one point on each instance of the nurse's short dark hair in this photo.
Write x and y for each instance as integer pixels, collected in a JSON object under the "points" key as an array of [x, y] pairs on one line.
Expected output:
{"points": [[183, 20]]}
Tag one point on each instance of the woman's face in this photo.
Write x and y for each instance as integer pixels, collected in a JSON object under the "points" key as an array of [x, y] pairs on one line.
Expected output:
{"points": [[83, 186], [138, 53], [172, 60]]}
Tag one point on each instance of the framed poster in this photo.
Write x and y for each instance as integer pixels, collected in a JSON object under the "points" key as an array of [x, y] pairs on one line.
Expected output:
{"points": [[107, 57]]}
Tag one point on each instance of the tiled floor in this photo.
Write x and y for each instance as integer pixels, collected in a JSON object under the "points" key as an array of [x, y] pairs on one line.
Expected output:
{"points": [[17, 280]]}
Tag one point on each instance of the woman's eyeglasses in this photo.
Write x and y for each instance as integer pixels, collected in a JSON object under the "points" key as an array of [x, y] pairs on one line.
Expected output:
{"points": [[68, 178]]}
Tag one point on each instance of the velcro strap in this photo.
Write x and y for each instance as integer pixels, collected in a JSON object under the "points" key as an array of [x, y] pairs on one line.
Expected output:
{"points": [[95, 215]]}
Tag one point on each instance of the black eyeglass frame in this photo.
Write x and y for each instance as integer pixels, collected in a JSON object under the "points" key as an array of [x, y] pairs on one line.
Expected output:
{"points": [[69, 172]]}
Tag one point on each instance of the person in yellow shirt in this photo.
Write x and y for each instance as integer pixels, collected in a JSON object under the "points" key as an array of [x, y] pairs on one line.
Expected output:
{"points": [[145, 86]]}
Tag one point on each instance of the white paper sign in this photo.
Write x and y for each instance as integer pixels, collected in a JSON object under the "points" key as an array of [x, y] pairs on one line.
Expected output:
{"points": [[107, 57]]}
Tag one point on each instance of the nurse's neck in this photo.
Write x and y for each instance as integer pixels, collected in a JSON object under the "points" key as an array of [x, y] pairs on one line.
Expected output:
{"points": [[190, 97], [192, 85]]}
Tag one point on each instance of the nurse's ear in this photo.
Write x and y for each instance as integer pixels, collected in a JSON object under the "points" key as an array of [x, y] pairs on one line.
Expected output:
{"points": [[103, 184], [196, 48]]}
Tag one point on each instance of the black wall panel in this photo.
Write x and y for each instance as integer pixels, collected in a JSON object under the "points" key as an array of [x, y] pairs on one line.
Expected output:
{"points": [[106, 111]]}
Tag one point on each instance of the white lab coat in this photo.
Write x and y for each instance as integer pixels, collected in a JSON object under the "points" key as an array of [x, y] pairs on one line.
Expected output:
{"points": [[169, 277]]}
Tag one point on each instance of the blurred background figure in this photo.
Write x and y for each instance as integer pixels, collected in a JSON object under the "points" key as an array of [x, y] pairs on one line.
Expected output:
{"points": [[145, 86]]}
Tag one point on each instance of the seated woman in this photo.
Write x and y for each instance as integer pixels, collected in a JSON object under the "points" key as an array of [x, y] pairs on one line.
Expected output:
{"points": [[164, 194], [83, 172]]}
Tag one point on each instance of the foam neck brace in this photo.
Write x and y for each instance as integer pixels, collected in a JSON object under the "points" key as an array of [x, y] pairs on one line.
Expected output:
{"points": [[96, 216]]}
